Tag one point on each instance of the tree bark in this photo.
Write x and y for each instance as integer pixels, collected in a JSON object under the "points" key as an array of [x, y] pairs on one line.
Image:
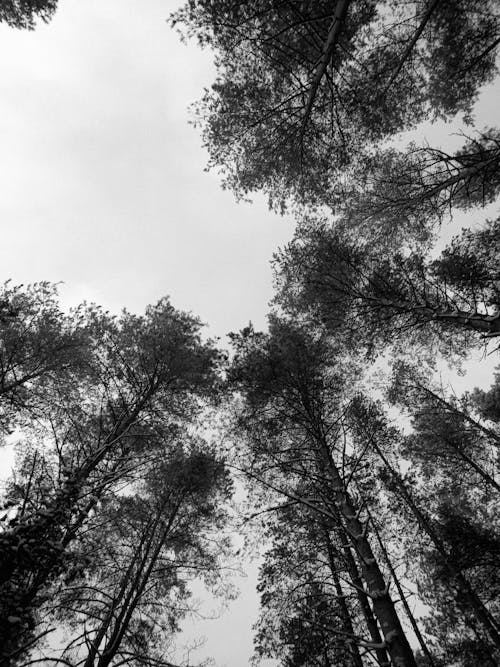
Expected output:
{"points": [[347, 621], [331, 40], [395, 578], [395, 639], [371, 622]]}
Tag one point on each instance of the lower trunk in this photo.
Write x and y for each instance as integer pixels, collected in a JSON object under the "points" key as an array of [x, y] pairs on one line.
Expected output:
{"points": [[409, 614], [346, 616], [371, 623], [395, 639]]}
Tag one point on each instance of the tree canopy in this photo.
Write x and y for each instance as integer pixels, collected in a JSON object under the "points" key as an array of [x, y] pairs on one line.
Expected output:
{"points": [[367, 486], [306, 90]]}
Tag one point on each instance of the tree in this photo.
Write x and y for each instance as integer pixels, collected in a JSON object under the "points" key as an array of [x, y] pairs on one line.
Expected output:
{"points": [[471, 602], [304, 91], [374, 300], [41, 346], [474, 549], [149, 374], [24, 13], [146, 548], [293, 419], [308, 616]]}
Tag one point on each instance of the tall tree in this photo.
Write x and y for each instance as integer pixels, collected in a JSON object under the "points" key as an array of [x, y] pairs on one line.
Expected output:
{"points": [[293, 418], [423, 494], [146, 547], [309, 616], [149, 373], [304, 90]]}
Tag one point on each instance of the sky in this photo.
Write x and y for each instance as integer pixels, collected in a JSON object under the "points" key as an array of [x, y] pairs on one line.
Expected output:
{"points": [[103, 179], [104, 190]]}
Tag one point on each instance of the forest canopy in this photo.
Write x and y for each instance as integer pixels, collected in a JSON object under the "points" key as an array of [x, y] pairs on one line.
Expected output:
{"points": [[371, 487]]}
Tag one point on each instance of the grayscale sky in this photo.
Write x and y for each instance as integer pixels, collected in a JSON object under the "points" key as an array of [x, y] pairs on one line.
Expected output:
{"points": [[103, 182], [104, 189]]}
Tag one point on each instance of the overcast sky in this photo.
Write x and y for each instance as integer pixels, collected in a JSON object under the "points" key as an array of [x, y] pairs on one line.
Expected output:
{"points": [[103, 181], [104, 188]]}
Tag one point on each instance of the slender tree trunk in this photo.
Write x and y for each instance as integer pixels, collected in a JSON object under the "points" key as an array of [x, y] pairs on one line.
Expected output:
{"points": [[346, 615], [412, 43], [332, 39], [480, 471], [395, 578], [395, 639], [147, 537], [135, 594], [364, 603]]}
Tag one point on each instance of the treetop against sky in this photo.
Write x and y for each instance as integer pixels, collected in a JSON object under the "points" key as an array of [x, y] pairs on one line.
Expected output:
{"points": [[352, 250]]}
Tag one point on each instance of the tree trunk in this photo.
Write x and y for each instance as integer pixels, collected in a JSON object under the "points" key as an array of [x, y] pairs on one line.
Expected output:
{"points": [[395, 578], [395, 639], [346, 615], [371, 623], [332, 39], [135, 594]]}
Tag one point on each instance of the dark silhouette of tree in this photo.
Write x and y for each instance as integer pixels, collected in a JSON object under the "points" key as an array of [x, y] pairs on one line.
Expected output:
{"points": [[475, 549], [293, 419], [470, 601], [148, 376], [24, 13], [374, 300], [305, 90], [145, 550], [309, 615]]}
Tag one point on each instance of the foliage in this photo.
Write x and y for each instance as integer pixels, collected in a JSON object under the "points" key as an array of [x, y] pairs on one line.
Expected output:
{"points": [[24, 13], [371, 300], [144, 378], [304, 91]]}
